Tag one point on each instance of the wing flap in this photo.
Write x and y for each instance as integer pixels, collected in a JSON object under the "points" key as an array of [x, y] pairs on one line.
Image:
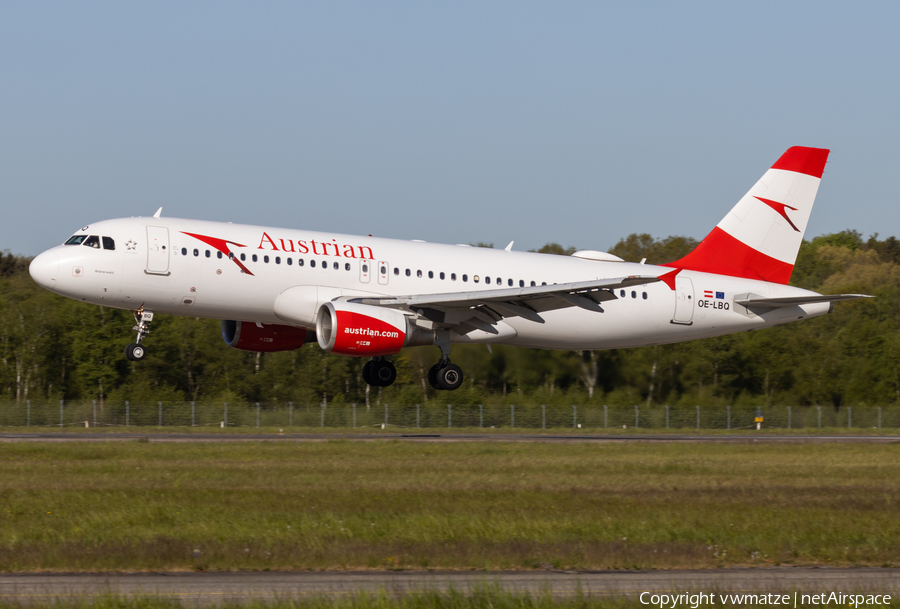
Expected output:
{"points": [[511, 295]]}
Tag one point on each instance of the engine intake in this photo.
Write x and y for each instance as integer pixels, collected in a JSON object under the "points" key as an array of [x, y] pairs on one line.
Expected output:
{"points": [[250, 336], [348, 328]]}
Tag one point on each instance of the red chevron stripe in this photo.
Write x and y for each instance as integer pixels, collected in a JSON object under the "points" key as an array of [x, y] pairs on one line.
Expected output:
{"points": [[810, 161], [722, 254]]}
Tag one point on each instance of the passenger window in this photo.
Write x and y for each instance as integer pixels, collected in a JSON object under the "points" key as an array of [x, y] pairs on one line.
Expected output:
{"points": [[277, 259], [108, 243], [487, 280], [419, 274], [289, 261], [325, 264], [431, 274], [75, 240], [622, 293], [184, 251], [543, 283], [337, 266], [219, 255], [383, 270], [475, 278], [510, 282], [408, 272], [465, 277], [92, 241], [312, 263], [208, 254], [243, 257], [365, 267], [633, 294], [254, 258], [299, 261], [196, 252], [396, 271], [452, 276], [644, 294], [442, 274], [266, 259], [532, 284], [347, 267], [521, 283]]}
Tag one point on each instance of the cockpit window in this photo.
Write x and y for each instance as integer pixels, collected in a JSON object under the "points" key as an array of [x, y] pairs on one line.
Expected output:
{"points": [[92, 241], [108, 243], [76, 239]]}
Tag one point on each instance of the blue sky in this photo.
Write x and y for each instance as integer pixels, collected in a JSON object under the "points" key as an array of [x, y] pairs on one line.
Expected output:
{"points": [[453, 122]]}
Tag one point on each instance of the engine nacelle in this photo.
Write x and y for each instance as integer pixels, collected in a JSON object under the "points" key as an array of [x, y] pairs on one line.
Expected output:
{"points": [[348, 328], [250, 336]]}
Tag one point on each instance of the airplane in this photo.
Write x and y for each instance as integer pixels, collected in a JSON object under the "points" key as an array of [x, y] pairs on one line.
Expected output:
{"points": [[276, 289]]}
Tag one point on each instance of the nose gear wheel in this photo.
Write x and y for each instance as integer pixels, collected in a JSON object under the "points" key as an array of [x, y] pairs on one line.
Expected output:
{"points": [[135, 352]]}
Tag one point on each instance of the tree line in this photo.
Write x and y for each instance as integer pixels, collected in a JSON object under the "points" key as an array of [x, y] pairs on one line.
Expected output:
{"points": [[55, 348]]}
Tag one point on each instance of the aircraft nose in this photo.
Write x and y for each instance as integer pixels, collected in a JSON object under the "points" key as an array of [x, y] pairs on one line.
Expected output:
{"points": [[44, 269]]}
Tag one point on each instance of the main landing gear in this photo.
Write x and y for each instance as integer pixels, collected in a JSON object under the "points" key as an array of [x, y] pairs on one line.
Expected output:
{"points": [[444, 375], [135, 351], [379, 372]]}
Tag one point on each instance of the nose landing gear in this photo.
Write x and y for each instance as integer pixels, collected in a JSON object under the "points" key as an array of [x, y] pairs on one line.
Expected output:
{"points": [[379, 372], [135, 351]]}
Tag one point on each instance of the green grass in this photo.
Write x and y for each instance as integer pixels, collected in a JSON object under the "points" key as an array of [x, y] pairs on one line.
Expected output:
{"points": [[464, 505], [393, 430], [488, 598], [481, 598]]}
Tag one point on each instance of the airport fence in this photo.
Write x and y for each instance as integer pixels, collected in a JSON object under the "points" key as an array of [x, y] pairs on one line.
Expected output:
{"points": [[31, 413]]}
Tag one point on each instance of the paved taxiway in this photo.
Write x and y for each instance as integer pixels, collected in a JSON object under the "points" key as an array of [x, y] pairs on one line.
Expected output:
{"points": [[454, 437], [214, 588]]}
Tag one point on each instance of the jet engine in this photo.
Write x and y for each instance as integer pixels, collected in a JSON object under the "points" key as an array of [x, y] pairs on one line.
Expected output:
{"points": [[250, 336], [349, 328]]}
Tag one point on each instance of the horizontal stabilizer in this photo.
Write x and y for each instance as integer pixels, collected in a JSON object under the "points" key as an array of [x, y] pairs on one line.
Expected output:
{"points": [[752, 302]]}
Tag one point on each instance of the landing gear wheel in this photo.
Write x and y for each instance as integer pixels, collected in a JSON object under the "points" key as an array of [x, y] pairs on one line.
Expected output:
{"points": [[367, 373], [383, 373], [450, 377], [432, 375], [135, 352]]}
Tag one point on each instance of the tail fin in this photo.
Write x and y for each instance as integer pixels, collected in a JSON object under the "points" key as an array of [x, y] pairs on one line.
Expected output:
{"points": [[761, 235]]}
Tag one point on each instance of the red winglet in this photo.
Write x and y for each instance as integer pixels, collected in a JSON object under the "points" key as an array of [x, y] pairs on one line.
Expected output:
{"points": [[810, 161], [669, 278]]}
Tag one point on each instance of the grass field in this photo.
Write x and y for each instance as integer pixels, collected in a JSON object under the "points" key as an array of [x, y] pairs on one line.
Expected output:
{"points": [[392, 430], [484, 599], [136, 505]]}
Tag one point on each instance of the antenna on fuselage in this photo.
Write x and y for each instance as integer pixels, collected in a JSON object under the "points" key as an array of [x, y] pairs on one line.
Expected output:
{"points": [[158, 212], [508, 248]]}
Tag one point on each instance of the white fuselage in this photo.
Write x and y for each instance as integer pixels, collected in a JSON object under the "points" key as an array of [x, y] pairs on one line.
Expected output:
{"points": [[157, 265]]}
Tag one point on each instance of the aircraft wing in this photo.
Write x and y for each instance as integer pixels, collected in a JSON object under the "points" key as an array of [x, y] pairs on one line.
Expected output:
{"points": [[754, 302], [465, 311]]}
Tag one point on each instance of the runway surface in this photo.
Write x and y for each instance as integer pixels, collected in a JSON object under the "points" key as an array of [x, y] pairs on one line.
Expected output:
{"points": [[215, 588], [434, 437]]}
